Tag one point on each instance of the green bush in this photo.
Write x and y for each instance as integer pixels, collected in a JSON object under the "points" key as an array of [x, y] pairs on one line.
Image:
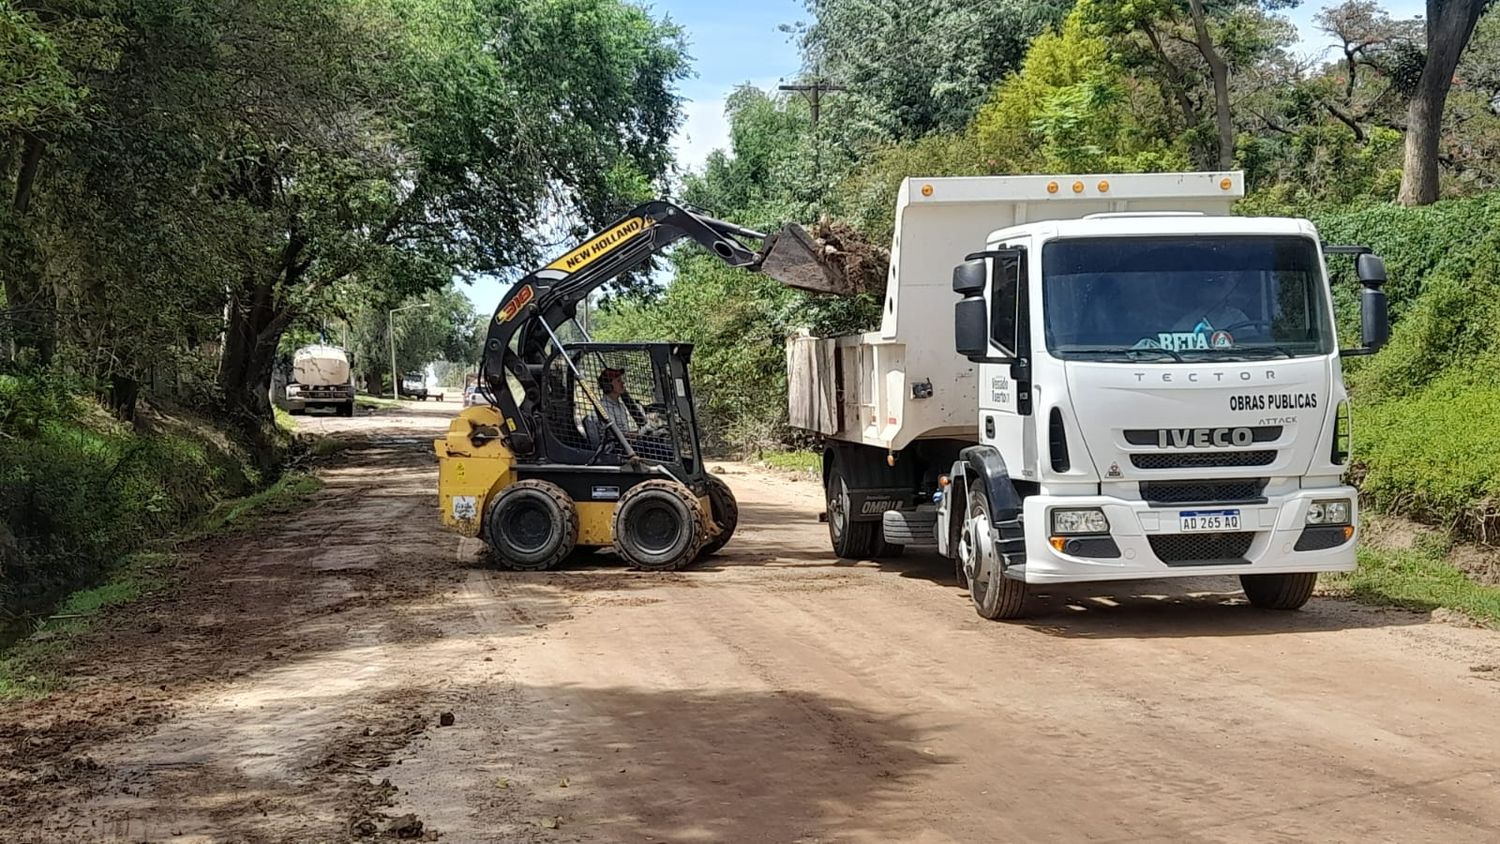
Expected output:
{"points": [[79, 490], [1427, 407]]}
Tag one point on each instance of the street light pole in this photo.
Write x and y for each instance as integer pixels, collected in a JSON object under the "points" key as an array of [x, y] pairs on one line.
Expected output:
{"points": [[391, 330]]}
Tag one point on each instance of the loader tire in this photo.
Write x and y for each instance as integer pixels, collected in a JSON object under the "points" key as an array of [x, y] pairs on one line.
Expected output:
{"points": [[1279, 591], [726, 515], [532, 525], [659, 526]]}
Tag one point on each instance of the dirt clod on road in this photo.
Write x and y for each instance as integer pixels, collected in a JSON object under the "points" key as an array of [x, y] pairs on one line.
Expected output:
{"points": [[352, 672]]}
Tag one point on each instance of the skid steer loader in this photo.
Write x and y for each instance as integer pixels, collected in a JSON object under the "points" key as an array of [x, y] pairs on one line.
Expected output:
{"points": [[594, 445]]}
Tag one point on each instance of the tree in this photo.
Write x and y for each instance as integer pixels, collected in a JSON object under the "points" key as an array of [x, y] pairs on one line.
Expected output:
{"points": [[1073, 108], [1449, 25], [1192, 49], [911, 67]]}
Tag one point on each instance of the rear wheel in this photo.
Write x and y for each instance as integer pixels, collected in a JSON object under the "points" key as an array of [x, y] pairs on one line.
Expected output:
{"points": [[995, 596], [532, 525], [850, 539], [658, 526], [726, 515], [1279, 591]]}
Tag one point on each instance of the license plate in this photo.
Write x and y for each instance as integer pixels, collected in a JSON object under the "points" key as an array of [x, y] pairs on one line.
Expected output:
{"points": [[1208, 521]]}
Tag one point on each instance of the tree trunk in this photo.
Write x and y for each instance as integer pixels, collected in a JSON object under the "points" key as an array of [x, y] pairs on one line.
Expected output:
{"points": [[1449, 25], [249, 356], [1218, 70], [30, 303]]}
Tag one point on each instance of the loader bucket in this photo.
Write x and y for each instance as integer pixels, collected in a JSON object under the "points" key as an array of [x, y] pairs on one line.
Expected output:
{"points": [[794, 259]]}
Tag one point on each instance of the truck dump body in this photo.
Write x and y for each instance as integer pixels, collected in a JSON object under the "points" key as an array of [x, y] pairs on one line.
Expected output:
{"points": [[903, 383]]}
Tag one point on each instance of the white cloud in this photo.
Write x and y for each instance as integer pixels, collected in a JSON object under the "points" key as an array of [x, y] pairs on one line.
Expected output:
{"points": [[704, 129]]}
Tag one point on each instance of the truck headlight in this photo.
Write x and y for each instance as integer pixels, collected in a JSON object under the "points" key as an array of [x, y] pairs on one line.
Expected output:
{"points": [[1075, 522], [293, 389], [1335, 512]]}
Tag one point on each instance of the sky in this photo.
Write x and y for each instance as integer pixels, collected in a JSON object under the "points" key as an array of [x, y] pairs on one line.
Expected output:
{"points": [[735, 43]]}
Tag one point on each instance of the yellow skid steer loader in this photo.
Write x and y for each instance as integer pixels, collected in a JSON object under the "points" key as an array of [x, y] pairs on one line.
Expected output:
{"points": [[586, 444]]}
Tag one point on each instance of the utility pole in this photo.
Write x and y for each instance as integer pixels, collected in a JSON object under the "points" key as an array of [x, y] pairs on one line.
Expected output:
{"points": [[813, 91], [391, 323]]}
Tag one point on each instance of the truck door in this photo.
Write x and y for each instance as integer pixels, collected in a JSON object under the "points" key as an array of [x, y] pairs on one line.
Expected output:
{"points": [[1006, 421]]}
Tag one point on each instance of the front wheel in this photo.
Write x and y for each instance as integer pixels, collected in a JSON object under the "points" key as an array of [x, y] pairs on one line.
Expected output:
{"points": [[1279, 591], [532, 525], [995, 596]]}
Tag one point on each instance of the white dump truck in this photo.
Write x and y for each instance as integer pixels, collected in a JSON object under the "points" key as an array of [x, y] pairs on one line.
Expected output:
{"points": [[1094, 378], [320, 377]]}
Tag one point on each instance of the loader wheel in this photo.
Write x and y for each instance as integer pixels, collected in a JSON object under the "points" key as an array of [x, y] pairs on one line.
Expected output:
{"points": [[532, 525], [995, 596], [726, 515], [658, 526], [1279, 591]]}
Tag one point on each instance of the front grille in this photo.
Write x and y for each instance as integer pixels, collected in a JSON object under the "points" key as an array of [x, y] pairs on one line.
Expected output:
{"points": [[1203, 492], [1258, 434], [1202, 459], [1201, 549]]}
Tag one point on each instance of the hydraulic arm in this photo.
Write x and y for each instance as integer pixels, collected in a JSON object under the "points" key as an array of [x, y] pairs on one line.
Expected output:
{"points": [[533, 310]]}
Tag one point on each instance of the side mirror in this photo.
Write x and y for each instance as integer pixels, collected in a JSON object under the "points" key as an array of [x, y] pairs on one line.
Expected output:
{"points": [[1371, 270], [972, 326], [1374, 309], [1374, 319]]}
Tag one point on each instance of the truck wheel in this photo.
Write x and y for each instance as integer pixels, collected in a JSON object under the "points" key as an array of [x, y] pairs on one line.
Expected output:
{"points": [[726, 515], [850, 539], [658, 526], [532, 525], [995, 596], [346, 410], [1279, 591]]}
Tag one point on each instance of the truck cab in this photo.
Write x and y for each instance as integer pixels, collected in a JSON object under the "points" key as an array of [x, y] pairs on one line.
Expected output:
{"points": [[1152, 392]]}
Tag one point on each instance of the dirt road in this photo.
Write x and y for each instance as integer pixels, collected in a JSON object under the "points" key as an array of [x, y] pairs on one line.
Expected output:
{"points": [[292, 690]]}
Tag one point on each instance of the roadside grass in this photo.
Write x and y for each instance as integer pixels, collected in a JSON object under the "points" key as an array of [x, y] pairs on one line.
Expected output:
{"points": [[290, 490], [376, 402], [285, 421], [1417, 578], [28, 668], [802, 462]]}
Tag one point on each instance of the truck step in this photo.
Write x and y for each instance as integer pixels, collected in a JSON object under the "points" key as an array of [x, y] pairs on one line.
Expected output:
{"points": [[910, 527]]}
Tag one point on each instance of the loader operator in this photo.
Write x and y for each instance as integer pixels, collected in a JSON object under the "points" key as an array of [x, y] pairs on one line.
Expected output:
{"points": [[624, 412]]}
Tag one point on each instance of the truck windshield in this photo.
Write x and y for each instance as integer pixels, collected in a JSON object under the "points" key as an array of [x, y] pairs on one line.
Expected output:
{"points": [[1146, 299]]}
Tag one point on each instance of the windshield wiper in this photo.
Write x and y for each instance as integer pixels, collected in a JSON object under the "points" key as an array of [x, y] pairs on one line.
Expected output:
{"points": [[1247, 352], [1131, 353]]}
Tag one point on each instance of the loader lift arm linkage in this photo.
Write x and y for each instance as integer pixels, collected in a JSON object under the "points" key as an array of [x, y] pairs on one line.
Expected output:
{"points": [[534, 308]]}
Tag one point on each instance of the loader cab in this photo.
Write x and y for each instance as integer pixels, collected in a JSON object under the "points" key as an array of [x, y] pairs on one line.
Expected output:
{"points": [[601, 403]]}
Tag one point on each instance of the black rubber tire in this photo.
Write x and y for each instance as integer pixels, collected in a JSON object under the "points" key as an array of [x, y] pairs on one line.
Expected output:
{"points": [[346, 410], [297, 411], [850, 540], [659, 526], [726, 515], [1279, 591], [531, 525], [995, 596]]}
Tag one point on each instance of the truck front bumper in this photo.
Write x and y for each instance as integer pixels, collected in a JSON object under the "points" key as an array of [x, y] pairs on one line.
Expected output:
{"points": [[1148, 541]]}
